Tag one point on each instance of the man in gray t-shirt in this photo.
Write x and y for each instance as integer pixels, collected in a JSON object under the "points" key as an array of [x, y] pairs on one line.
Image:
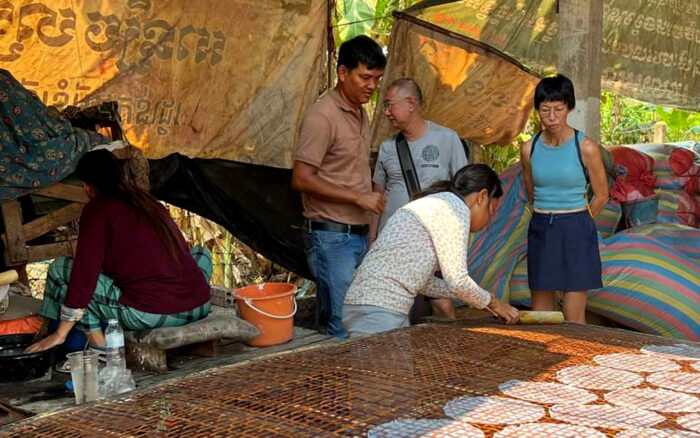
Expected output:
{"points": [[437, 154]]}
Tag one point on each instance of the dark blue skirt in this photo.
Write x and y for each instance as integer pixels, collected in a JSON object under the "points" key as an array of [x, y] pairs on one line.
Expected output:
{"points": [[562, 252]]}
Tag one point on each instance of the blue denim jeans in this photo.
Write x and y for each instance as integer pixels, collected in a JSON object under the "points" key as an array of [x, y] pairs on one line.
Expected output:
{"points": [[333, 257]]}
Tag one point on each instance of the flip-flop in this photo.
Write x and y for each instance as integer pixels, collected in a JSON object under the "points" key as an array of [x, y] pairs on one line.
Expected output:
{"points": [[62, 367]]}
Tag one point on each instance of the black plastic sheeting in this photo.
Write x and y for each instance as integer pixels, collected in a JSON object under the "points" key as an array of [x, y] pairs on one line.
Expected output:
{"points": [[255, 203]]}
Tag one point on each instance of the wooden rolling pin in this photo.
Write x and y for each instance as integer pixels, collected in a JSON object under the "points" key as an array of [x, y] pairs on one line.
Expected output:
{"points": [[540, 317], [8, 277]]}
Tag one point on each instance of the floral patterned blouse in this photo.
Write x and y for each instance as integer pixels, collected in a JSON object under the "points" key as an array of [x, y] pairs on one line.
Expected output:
{"points": [[424, 236]]}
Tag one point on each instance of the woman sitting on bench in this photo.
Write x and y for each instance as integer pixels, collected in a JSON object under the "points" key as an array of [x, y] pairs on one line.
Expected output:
{"points": [[132, 262]]}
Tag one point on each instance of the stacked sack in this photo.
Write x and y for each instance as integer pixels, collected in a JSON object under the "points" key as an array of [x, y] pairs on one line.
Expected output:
{"points": [[635, 179], [677, 172], [672, 172], [609, 218]]}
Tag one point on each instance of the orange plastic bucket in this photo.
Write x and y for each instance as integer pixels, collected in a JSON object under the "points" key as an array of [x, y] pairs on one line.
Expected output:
{"points": [[271, 308]]}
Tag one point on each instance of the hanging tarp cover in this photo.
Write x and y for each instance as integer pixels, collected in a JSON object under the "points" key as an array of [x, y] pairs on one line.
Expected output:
{"points": [[483, 95], [223, 83], [255, 203], [651, 48], [38, 145], [205, 78]]}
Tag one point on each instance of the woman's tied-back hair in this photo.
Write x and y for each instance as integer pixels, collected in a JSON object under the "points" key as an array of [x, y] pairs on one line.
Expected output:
{"points": [[469, 179], [554, 89], [108, 175]]}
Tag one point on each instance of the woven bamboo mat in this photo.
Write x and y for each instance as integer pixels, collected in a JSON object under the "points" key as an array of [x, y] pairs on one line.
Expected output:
{"points": [[347, 389]]}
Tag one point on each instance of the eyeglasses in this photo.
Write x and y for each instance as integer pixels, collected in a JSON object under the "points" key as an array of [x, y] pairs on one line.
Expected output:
{"points": [[387, 105], [548, 110]]}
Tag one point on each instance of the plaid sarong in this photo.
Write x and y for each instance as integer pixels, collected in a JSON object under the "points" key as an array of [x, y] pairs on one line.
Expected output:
{"points": [[105, 302]]}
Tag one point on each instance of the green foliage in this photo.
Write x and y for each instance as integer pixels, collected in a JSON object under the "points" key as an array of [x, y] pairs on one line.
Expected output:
{"points": [[500, 157], [628, 121], [366, 17], [354, 17], [625, 121], [681, 125]]}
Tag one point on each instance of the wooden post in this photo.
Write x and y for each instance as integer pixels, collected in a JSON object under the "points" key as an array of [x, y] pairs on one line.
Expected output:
{"points": [[22, 275], [580, 48], [15, 243], [660, 132]]}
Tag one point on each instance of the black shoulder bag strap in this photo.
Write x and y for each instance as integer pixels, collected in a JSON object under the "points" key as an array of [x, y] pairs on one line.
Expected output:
{"points": [[410, 176], [532, 146], [580, 158], [586, 195]]}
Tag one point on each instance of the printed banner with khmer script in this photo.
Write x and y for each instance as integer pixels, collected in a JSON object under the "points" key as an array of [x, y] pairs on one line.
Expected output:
{"points": [[480, 94], [651, 48], [204, 78]]}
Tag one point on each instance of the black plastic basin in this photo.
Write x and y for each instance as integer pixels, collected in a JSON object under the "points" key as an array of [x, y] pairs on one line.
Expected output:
{"points": [[15, 366]]}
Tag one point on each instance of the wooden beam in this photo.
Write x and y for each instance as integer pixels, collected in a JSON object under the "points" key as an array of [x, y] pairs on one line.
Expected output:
{"points": [[50, 251], [65, 191], [15, 243], [48, 222], [205, 349]]}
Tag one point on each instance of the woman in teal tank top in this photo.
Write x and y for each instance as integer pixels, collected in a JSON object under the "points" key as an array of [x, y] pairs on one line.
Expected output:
{"points": [[558, 164]]}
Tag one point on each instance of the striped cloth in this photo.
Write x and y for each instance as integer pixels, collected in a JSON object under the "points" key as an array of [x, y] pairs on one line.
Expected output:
{"points": [[495, 250], [651, 273], [609, 218], [677, 207], [105, 302]]}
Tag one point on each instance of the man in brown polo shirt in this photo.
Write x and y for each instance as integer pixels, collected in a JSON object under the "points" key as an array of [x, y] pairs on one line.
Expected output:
{"points": [[332, 172]]}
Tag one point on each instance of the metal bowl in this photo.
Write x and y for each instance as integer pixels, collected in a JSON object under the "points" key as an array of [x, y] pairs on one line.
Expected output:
{"points": [[15, 366]]}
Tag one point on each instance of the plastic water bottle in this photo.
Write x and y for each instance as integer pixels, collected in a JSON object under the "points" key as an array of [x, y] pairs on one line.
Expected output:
{"points": [[115, 378], [114, 336]]}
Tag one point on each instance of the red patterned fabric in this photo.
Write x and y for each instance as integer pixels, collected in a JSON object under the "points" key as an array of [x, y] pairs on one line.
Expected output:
{"points": [[635, 178]]}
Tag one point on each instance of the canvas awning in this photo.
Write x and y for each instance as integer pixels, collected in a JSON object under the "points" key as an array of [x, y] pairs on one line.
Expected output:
{"points": [[651, 48], [483, 94], [226, 83], [207, 79]]}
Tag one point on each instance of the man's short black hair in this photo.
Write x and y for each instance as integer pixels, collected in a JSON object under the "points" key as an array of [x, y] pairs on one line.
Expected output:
{"points": [[361, 49], [554, 89]]}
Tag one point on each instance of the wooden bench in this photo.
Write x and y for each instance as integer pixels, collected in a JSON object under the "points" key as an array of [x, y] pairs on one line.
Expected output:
{"points": [[148, 350], [17, 233]]}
